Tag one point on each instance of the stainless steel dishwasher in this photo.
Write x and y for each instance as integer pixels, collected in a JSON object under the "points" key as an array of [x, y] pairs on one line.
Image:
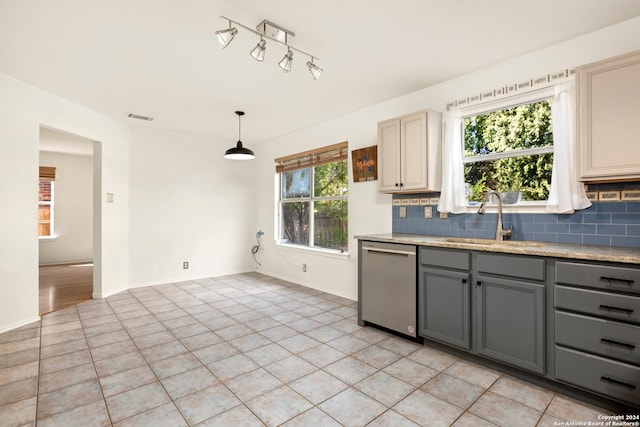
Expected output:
{"points": [[387, 287]]}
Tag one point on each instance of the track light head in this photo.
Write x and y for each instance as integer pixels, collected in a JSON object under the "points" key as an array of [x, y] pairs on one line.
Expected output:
{"points": [[258, 52], [287, 61], [314, 69], [225, 36]]}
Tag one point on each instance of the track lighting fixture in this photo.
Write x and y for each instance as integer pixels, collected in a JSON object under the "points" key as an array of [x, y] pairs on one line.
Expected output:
{"points": [[286, 62], [239, 152], [271, 31], [258, 52]]}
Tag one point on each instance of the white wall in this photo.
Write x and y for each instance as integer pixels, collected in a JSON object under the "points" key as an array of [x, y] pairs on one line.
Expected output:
{"points": [[370, 212], [23, 109], [188, 203], [73, 209]]}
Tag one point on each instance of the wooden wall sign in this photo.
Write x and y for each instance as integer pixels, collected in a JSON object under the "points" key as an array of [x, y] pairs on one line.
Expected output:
{"points": [[365, 164]]}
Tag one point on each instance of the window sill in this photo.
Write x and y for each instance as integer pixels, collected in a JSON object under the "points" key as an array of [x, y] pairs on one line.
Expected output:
{"points": [[527, 207], [329, 253], [47, 238]]}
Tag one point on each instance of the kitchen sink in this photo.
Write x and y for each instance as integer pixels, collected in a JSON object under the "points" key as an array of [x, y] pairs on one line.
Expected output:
{"points": [[490, 242]]}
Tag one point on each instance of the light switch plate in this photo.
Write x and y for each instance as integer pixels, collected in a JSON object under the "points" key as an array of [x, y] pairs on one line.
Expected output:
{"points": [[428, 212], [403, 211], [109, 197]]}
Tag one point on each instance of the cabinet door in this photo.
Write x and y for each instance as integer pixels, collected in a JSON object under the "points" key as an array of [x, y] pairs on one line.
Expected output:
{"points": [[609, 106], [389, 155], [443, 306], [510, 322], [413, 152]]}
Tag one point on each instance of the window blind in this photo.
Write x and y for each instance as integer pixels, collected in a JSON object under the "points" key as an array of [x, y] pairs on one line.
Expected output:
{"points": [[318, 156], [48, 173]]}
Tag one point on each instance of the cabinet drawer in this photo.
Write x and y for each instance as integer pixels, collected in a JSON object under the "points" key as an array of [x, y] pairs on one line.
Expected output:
{"points": [[605, 304], [604, 337], [610, 378], [599, 276], [514, 266], [443, 258]]}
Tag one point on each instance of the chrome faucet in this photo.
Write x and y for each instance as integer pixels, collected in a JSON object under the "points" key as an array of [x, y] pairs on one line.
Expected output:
{"points": [[501, 233]]}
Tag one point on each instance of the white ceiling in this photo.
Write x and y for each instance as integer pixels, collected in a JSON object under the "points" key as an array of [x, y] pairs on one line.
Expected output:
{"points": [[160, 57]]}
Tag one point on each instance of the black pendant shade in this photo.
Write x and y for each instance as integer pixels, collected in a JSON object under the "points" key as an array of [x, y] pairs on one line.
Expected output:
{"points": [[239, 152]]}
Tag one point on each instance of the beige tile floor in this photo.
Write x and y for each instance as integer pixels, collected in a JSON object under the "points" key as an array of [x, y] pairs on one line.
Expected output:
{"points": [[248, 350]]}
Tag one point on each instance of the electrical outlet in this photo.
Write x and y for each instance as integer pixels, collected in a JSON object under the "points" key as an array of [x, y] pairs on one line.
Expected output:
{"points": [[444, 215], [109, 197], [428, 212], [403, 211], [304, 267], [185, 265]]}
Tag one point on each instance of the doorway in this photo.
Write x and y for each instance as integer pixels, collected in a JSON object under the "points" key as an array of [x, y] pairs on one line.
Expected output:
{"points": [[66, 219]]}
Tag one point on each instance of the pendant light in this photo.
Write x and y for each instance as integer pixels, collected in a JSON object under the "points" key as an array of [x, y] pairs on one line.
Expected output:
{"points": [[239, 152]]}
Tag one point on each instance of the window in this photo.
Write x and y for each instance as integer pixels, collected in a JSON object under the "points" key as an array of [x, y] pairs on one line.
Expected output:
{"points": [[313, 205], [45, 201], [509, 150]]}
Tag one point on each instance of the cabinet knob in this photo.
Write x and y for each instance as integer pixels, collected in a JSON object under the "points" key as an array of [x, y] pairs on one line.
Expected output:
{"points": [[464, 280], [397, 184], [478, 283]]}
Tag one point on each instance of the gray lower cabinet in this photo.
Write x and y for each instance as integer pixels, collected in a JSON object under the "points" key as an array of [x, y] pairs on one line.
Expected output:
{"points": [[508, 324], [444, 307], [510, 321]]}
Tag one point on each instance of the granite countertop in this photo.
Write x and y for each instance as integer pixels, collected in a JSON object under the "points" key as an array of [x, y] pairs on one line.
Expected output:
{"points": [[555, 250]]}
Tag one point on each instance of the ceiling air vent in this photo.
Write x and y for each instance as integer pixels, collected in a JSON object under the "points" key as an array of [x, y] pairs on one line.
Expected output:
{"points": [[139, 117]]}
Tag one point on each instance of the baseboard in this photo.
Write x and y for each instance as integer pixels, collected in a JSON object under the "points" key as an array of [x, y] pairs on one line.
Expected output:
{"points": [[307, 285], [19, 324]]}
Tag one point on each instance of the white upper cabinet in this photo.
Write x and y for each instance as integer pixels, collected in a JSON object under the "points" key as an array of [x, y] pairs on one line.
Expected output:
{"points": [[409, 153], [608, 96]]}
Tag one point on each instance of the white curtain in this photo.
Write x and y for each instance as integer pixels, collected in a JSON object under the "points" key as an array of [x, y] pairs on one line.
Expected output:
{"points": [[452, 195], [567, 193]]}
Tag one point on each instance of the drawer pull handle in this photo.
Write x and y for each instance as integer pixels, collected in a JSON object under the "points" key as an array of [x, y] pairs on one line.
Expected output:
{"points": [[615, 279], [621, 344], [611, 308], [622, 383]]}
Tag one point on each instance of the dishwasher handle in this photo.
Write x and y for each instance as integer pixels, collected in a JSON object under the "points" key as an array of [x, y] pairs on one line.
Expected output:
{"points": [[389, 251]]}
